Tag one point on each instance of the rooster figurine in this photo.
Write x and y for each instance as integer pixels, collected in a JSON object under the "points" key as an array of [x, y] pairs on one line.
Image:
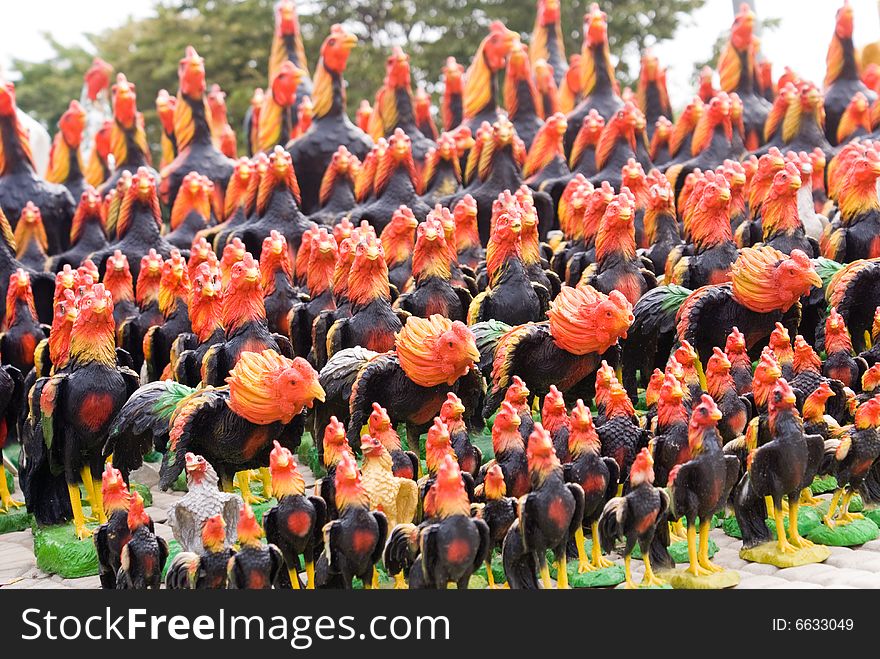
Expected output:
{"points": [[255, 566], [203, 500], [207, 570], [144, 555], [295, 524], [549, 516], [636, 517]]}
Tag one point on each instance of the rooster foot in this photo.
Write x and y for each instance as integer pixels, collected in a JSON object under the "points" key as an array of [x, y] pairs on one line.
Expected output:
{"points": [[807, 498], [652, 580], [585, 566], [698, 570], [785, 547], [711, 567], [848, 517], [801, 542], [9, 504]]}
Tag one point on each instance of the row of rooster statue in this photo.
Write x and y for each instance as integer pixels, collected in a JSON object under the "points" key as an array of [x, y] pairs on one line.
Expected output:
{"points": [[577, 254]]}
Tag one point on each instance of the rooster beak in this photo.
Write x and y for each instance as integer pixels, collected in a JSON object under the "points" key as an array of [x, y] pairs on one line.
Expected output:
{"points": [[316, 391], [715, 415], [725, 194], [815, 279], [350, 41], [795, 184], [474, 355]]}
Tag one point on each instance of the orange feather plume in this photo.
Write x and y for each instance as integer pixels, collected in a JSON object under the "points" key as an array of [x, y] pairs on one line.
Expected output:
{"points": [[266, 387], [583, 320], [433, 351]]}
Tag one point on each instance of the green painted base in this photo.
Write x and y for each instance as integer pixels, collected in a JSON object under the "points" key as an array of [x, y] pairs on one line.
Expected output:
{"points": [[873, 514], [144, 491], [679, 550], [823, 484], [17, 519], [153, 457], [483, 441], [808, 519], [307, 453], [497, 570], [180, 484], [13, 454], [385, 582], [682, 580], [602, 578], [856, 505], [769, 554], [259, 508], [59, 551], [857, 532]]}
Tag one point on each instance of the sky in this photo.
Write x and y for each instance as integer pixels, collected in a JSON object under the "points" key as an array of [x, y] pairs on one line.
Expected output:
{"points": [[801, 40]]}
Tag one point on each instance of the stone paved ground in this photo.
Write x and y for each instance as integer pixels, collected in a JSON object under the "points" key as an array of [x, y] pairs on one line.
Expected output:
{"points": [[845, 568]]}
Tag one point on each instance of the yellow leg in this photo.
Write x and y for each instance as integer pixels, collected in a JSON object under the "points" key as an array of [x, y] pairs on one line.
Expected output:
{"points": [[829, 516], [375, 583], [628, 573], [266, 480], [86, 475], [845, 516], [490, 577], [768, 501], [794, 536], [650, 579], [598, 560], [703, 554], [782, 543], [581, 542], [399, 581], [545, 576], [227, 486], [310, 576], [294, 578], [242, 478], [620, 489], [99, 506], [562, 572], [6, 499], [807, 498], [677, 531], [868, 340], [695, 568], [79, 520]]}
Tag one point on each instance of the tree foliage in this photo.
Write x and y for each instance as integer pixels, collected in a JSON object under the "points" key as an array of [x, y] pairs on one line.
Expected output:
{"points": [[234, 37]]}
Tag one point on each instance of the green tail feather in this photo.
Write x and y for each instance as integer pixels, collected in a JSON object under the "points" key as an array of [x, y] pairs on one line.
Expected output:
{"points": [[826, 269], [675, 296], [168, 401]]}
